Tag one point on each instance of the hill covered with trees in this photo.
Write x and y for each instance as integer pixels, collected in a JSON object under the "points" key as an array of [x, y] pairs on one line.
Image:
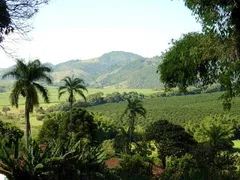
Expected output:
{"points": [[116, 69]]}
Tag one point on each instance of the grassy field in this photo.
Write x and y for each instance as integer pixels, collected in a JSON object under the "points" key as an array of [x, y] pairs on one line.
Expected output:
{"points": [[16, 116], [53, 92], [177, 109]]}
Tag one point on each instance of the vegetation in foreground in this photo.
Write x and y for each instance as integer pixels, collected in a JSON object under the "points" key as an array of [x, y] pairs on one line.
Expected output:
{"points": [[74, 143]]}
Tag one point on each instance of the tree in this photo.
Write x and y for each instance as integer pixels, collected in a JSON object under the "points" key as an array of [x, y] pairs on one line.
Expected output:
{"points": [[121, 141], [15, 16], [220, 17], [170, 139], [5, 109], [27, 76], [200, 60], [10, 136], [134, 108], [58, 127], [217, 131], [72, 86], [191, 61]]}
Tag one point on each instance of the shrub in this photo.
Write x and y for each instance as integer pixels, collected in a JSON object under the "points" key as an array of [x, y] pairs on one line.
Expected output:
{"points": [[5, 109], [40, 117], [134, 167]]}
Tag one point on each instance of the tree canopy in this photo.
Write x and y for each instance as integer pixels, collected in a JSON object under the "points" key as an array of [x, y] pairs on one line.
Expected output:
{"points": [[192, 60], [170, 139], [219, 16], [15, 16], [200, 59]]}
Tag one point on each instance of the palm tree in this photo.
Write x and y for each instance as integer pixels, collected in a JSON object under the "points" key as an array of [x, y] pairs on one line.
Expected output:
{"points": [[218, 136], [133, 109], [27, 76], [72, 86]]}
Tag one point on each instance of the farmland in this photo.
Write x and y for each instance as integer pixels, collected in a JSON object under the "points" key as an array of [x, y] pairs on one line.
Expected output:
{"points": [[53, 91], [16, 116], [176, 109]]}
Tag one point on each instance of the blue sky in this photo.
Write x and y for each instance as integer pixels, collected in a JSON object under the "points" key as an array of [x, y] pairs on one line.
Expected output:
{"points": [[83, 29]]}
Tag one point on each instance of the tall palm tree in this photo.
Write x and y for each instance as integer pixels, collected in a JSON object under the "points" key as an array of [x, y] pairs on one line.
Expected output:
{"points": [[72, 86], [27, 76], [133, 109]]}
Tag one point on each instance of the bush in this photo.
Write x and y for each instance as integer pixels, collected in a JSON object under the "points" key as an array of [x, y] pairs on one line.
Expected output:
{"points": [[180, 168], [40, 110], [40, 117], [134, 167], [5, 109]]}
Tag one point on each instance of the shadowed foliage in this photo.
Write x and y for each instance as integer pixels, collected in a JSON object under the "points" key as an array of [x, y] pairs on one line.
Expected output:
{"points": [[134, 108]]}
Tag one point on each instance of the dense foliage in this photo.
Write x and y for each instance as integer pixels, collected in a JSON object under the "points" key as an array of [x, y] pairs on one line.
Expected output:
{"points": [[169, 139], [191, 61], [213, 56], [128, 136]]}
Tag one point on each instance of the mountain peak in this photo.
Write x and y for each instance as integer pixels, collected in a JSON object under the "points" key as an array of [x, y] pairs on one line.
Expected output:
{"points": [[116, 57]]}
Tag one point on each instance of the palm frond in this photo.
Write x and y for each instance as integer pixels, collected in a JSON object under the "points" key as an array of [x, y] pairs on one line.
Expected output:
{"points": [[61, 93], [72, 85], [43, 91], [18, 89], [32, 97], [80, 92]]}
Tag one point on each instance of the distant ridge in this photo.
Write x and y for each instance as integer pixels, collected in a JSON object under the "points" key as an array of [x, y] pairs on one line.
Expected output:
{"points": [[116, 69]]}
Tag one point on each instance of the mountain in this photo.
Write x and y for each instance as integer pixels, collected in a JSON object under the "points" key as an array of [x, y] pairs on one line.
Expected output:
{"points": [[116, 69]]}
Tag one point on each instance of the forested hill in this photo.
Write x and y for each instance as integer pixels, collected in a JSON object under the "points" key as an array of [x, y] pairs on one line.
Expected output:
{"points": [[116, 69]]}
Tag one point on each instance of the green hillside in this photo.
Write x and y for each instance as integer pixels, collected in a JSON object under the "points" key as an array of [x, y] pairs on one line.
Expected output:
{"points": [[116, 69]]}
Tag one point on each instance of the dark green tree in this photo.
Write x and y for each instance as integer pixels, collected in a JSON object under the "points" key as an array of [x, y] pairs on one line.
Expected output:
{"points": [[121, 141], [10, 137], [72, 86], [216, 132], [191, 61], [218, 16], [27, 76], [169, 139], [200, 60], [221, 20], [134, 108], [58, 127]]}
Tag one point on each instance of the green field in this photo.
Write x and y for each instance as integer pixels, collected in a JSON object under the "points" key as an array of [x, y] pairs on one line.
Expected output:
{"points": [[177, 109], [16, 116], [53, 92]]}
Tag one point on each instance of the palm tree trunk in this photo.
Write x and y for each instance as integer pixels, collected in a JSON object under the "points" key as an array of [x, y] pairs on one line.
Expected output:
{"points": [[16, 145], [131, 132], [130, 140], [71, 104], [27, 124], [164, 163], [70, 119]]}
